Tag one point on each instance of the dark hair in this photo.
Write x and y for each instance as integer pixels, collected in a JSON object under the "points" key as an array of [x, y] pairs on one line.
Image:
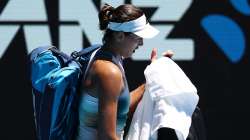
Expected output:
{"points": [[122, 13]]}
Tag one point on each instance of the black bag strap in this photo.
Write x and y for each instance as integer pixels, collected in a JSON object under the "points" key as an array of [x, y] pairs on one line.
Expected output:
{"points": [[76, 58], [77, 54]]}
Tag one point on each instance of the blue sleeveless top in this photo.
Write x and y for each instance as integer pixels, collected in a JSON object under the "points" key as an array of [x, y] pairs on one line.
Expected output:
{"points": [[88, 109]]}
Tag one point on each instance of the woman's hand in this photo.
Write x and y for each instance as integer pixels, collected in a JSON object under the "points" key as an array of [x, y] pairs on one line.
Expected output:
{"points": [[167, 53]]}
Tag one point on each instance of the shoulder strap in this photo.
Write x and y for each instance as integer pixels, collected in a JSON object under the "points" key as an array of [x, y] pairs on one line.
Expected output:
{"points": [[90, 61], [87, 50]]}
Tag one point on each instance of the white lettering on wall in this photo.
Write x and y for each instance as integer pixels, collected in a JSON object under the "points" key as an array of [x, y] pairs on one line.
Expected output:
{"points": [[86, 15]]}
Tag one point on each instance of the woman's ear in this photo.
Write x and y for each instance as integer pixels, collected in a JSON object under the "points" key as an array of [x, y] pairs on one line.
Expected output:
{"points": [[119, 36]]}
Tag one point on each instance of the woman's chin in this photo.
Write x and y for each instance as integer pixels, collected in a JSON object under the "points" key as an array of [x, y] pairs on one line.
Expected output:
{"points": [[128, 55]]}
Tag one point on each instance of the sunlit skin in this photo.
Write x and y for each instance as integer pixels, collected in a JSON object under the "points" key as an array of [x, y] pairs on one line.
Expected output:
{"points": [[105, 81]]}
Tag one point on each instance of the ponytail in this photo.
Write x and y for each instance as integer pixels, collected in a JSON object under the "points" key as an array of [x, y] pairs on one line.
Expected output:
{"points": [[105, 16]]}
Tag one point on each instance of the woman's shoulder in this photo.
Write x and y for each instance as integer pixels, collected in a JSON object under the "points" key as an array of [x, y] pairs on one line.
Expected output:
{"points": [[109, 77], [106, 69]]}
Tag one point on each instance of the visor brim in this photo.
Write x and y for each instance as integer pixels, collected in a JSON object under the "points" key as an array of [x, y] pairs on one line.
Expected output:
{"points": [[148, 32]]}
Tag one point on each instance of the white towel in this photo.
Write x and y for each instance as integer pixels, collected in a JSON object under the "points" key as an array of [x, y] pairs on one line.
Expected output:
{"points": [[169, 101]]}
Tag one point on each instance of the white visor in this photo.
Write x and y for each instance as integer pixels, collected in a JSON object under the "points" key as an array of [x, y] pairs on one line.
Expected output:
{"points": [[138, 26]]}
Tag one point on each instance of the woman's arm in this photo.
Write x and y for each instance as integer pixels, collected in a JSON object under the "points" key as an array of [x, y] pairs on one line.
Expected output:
{"points": [[109, 78], [135, 97]]}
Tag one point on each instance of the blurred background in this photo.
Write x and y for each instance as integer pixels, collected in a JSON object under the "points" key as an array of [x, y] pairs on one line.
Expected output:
{"points": [[210, 40]]}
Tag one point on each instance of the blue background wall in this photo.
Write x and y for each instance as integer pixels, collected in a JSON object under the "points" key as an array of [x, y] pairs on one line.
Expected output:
{"points": [[219, 66]]}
